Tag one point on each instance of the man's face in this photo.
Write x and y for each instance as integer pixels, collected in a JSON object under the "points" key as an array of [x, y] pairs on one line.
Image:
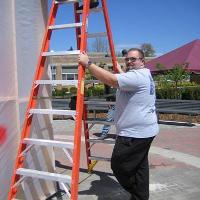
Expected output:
{"points": [[133, 60]]}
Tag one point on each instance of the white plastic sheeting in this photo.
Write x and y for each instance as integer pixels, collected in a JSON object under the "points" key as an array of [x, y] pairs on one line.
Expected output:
{"points": [[22, 25]]}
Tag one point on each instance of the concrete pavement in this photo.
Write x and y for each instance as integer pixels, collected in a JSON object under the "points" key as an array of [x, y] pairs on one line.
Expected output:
{"points": [[174, 165]]}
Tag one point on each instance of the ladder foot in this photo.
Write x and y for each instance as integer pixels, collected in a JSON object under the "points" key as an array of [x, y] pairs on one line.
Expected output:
{"points": [[91, 166]]}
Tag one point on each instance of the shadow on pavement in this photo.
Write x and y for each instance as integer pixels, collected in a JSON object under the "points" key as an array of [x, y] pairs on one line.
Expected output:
{"points": [[99, 184]]}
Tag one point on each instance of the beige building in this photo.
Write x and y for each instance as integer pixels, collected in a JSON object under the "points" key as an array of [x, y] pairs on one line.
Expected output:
{"points": [[65, 67]]}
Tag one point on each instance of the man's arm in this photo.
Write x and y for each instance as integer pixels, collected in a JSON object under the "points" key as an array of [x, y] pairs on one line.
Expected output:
{"points": [[104, 76], [101, 74]]}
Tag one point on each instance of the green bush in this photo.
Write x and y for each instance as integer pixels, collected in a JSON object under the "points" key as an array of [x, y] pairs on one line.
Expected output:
{"points": [[60, 93], [185, 93], [88, 92], [96, 90], [73, 90], [65, 92], [165, 93], [191, 93]]}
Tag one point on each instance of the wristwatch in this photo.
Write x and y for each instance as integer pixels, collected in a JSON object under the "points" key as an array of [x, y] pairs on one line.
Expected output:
{"points": [[89, 63]]}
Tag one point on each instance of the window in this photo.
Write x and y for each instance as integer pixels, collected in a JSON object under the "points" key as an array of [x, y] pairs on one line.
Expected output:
{"points": [[69, 76], [53, 72], [69, 73]]}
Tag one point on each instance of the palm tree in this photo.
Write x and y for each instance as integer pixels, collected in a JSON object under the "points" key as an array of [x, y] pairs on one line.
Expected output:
{"points": [[176, 75]]}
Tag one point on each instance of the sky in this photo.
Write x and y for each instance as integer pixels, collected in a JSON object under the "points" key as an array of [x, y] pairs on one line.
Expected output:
{"points": [[165, 24]]}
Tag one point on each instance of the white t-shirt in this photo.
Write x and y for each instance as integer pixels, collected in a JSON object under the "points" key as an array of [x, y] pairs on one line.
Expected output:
{"points": [[135, 114]]}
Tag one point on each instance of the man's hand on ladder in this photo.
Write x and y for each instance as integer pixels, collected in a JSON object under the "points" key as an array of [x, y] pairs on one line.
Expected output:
{"points": [[83, 59]]}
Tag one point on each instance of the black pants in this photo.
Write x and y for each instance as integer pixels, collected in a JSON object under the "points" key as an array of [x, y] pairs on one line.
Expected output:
{"points": [[130, 165]]}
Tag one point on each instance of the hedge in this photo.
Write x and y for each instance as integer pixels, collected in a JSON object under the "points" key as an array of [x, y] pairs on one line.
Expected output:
{"points": [[185, 93]]}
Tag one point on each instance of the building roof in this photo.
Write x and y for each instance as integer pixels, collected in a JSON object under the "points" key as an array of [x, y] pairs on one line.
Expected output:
{"points": [[95, 57], [188, 53]]}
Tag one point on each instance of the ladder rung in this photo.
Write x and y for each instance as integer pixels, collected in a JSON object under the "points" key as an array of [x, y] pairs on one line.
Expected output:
{"points": [[56, 82], [66, 1], [52, 112], [63, 82], [52, 143], [94, 35], [63, 26], [99, 122], [44, 175], [99, 158], [102, 141], [98, 9], [61, 53]]}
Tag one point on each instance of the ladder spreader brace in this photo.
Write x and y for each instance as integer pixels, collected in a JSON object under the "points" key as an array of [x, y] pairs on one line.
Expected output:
{"points": [[26, 143], [91, 122]]}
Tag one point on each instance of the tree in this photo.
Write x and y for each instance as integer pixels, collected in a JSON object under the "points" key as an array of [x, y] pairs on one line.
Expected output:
{"points": [[70, 49], [148, 49], [100, 45], [160, 67], [173, 77], [177, 74]]}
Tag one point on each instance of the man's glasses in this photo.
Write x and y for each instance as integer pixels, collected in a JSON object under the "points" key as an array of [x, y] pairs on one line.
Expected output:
{"points": [[131, 59]]}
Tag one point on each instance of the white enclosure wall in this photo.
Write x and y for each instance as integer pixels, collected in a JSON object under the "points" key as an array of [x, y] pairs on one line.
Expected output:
{"points": [[22, 25]]}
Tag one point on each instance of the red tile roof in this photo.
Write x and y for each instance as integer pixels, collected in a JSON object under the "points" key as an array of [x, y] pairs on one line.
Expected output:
{"points": [[188, 53]]}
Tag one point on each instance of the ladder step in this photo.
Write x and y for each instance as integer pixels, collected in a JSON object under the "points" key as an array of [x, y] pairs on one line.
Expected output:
{"points": [[61, 53], [52, 112], [63, 82], [94, 35], [102, 141], [99, 158], [57, 82], [63, 26], [65, 1], [44, 175], [98, 9], [52, 143]]}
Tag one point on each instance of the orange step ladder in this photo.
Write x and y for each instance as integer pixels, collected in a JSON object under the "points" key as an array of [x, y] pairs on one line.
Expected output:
{"points": [[26, 142]]}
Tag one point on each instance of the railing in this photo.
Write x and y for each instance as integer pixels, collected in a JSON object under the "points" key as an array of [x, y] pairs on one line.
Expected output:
{"points": [[163, 106]]}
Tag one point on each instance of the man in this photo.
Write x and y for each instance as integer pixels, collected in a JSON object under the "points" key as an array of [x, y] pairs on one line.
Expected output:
{"points": [[124, 53], [135, 121]]}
